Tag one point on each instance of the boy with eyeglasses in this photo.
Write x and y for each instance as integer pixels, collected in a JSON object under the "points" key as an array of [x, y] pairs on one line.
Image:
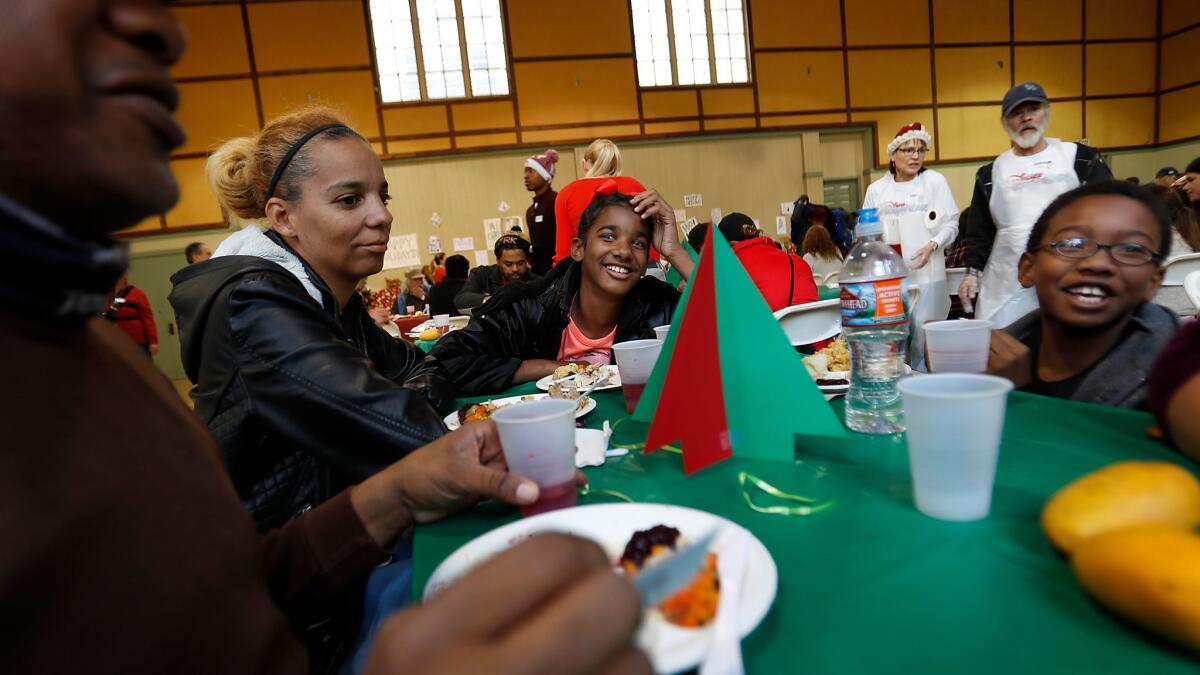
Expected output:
{"points": [[1094, 259]]}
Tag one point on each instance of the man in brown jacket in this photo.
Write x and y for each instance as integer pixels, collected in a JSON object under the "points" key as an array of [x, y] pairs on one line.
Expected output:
{"points": [[127, 549]]}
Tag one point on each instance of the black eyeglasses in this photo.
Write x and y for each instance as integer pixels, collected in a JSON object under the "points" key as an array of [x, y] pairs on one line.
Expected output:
{"points": [[1078, 248]]}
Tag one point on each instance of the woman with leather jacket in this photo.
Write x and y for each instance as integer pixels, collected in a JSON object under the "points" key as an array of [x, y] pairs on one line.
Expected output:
{"points": [[305, 394], [586, 303]]}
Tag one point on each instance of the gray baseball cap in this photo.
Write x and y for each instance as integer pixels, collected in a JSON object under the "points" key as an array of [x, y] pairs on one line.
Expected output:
{"points": [[1026, 91]]}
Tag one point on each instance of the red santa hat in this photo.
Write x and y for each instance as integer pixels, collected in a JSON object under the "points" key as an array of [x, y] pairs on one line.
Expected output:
{"points": [[912, 132], [544, 163]]}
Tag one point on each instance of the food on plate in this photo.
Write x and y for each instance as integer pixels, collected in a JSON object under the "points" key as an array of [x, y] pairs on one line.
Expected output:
{"points": [[1149, 574], [693, 606], [429, 334], [473, 412], [834, 358], [1121, 495], [591, 370]]}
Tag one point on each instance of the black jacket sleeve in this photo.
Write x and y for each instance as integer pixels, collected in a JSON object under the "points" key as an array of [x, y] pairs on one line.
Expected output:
{"points": [[1089, 165], [473, 291], [315, 390], [979, 230], [404, 364], [482, 358]]}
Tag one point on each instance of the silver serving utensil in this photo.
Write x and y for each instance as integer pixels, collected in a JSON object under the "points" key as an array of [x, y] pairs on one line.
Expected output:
{"points": [[599, 381], [659, 581]]}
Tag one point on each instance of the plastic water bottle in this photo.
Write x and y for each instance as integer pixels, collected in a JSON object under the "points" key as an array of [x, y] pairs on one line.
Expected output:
{"points": [[874, 294]]}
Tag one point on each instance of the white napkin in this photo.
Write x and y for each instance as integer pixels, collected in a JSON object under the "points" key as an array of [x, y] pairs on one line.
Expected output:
{"points": [[591, 445], [725, 655]]}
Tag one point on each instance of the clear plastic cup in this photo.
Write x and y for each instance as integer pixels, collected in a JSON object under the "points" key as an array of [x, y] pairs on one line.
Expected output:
{"points": [[442, 323], [958, 346], [635, 360], [411, 309], [538, 438], [661, 332], [954, 425]]}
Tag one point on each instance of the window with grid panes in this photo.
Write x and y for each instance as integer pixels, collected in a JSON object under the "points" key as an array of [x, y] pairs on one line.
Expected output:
{"points": [[690, 42], [439, 49]]}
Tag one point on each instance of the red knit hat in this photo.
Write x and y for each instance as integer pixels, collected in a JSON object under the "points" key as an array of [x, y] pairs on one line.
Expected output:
{"points": [[544, 164], [912, 132]]}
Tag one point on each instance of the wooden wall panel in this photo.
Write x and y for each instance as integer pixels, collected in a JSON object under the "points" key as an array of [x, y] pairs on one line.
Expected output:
{"points": [[727, 101], [798, 81], [486, 140], [418, 146], [796, 23], [972, 21], [890, 78], [1179, 59], [1121, 122], [196, 205], [967, 74], [581, 134], [412, 120], [654, 128], [1041, 20], [889, 122], [1177, 14], [901, 22], [1058, 68], [669, 103], [318, 34], [216, 44], [729, 123], [1066, 120], [820, 119], [1108, 19], [350, 93], [151, 225], [1179, 115], [576, 92], [970, 131], [540, 28], [207, 124], [1122, 68], [489, 115]]}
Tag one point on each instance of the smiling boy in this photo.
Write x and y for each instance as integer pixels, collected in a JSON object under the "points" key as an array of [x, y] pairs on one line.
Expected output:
{"points": [[1094, 259]]}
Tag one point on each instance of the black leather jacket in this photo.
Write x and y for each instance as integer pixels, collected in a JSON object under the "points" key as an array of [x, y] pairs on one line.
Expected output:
{"points": [[526, 321], [302, 401]]}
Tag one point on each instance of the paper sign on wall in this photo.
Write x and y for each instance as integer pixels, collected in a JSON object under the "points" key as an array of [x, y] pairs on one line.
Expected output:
{"points": [[513, 225], [680, 215], [491, 231], [435, 244], [402, 252], [481, 258], [688, 225], [716, 217], [786, 208], [503, 208], [781, 225], [464, 244], [692, 200], [436, 219]]}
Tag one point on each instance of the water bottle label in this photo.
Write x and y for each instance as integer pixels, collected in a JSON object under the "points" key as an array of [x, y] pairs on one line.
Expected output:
{"points": [[871, 304]]}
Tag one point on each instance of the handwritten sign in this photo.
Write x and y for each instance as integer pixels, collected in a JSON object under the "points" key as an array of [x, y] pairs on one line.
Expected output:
{"points": [[692, 200], [402, 251], [464, 244], [781, 225], [491, 231], [481, 258], [513, 225], [435, 245]]}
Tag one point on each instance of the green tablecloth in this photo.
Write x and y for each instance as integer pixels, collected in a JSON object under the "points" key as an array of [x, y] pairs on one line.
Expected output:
{"points": [[873, 586]]}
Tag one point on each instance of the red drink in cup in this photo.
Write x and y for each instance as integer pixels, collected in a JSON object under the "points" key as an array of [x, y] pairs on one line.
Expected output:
{"points": [[635, 360], [538, 438]]}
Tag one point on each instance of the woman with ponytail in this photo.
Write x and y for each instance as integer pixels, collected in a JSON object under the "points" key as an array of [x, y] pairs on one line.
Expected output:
{"points": [[305, 394]]}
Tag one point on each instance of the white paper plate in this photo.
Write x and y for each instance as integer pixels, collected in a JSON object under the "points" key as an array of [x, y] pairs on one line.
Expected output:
{"points": [[671, 649], [451, 420], [614, 380]]}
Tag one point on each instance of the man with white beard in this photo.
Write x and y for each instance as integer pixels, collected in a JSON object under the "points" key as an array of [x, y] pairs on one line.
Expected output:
{"points": [[1010, 194]]}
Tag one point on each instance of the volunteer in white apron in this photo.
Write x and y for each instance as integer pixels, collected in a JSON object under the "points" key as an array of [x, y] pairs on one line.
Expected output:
{"points": [[918, 214], [1010, 194]]}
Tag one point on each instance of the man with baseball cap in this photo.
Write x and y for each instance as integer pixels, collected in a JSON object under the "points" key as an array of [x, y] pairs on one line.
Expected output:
{"points": [[1010, 194], [784, 279], [1166, 176]]}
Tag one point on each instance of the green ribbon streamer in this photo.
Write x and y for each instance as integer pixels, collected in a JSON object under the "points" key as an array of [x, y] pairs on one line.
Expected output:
{"points": [[634, 447], [810, 507]]}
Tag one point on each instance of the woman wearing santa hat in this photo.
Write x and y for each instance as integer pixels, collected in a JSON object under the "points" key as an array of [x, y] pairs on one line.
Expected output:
{"points": [[918, 214]]}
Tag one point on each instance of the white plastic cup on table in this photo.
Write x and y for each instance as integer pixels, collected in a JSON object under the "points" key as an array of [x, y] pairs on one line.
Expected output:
{"points": [[635, 360], [538, 438], [954, 425], [442, 323], [411, 309], [661, 332], [958, 346]]}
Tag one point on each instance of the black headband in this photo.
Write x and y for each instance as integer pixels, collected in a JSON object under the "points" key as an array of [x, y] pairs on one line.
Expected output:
{"points": [[287, 158]]}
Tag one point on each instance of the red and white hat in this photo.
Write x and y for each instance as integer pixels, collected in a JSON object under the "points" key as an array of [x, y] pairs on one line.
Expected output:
{"points": [[544, 163], [912, 132]]}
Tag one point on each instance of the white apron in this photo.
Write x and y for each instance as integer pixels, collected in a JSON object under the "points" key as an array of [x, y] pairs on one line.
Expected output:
{"points": [[1022, 187], [914, 213]]}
